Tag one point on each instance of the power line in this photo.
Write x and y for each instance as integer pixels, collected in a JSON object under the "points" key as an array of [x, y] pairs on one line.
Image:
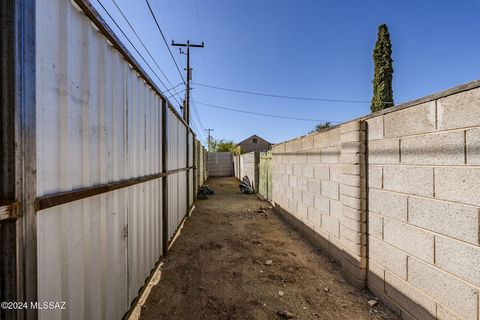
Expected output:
{"points": [[146, 49], [265, 114], [164, 40], [134, 47], [283, 96]]}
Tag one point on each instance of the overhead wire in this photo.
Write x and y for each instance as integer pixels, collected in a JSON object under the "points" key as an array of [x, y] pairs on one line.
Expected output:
{"points": [[144, 46], [283, 96], [165, 40], [264, 114], [129, 41]]}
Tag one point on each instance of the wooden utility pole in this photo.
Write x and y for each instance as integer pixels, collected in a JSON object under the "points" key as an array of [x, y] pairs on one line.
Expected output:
{"points": [[186, 107], [209, 138]]}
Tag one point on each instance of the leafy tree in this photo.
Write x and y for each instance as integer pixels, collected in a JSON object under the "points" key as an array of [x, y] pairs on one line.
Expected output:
{"points": [[383, 66], [224, 145], [321, 126]]}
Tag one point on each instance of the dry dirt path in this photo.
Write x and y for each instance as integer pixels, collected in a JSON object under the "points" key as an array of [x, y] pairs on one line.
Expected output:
{"points": [[216, 268]]}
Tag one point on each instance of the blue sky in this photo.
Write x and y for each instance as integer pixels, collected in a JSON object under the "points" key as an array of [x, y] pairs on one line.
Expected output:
{"points": [[311, 48]]}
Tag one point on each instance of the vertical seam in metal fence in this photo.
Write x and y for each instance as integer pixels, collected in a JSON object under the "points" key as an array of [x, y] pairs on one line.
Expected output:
{"points": [[188, 170], [164, 179]]}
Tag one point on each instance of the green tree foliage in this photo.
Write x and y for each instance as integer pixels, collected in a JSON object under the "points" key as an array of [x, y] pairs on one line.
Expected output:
{"points": [[321, 126], [383, 64], [224, 145]]}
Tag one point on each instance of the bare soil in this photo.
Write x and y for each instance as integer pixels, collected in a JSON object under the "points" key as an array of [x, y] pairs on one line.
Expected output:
{"points": [[216, 269]]}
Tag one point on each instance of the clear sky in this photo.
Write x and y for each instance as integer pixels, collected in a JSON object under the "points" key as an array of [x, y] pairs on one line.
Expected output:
{"points": [[310, 48]]}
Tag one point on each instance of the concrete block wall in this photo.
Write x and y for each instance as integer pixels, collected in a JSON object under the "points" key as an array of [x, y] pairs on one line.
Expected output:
{"points": [[395, 198], [424, 207], [317, 181]]}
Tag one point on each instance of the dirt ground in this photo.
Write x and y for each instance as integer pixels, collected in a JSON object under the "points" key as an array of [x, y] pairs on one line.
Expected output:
{"points": [[216, 268]]}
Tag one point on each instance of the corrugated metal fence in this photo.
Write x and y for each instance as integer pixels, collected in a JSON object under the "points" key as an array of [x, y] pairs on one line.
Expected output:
{"points": [[109, 170]]}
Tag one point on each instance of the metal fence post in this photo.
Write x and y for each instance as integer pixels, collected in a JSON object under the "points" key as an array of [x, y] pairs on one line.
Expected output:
{"points": [[164, 178]]}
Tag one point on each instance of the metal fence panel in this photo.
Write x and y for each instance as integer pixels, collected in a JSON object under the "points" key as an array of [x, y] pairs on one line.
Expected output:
{"points": [[220, 164], [98, 122]]}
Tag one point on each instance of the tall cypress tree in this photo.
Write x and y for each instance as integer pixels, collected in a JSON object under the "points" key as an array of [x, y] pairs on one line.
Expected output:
{"points": [[383, 64]]}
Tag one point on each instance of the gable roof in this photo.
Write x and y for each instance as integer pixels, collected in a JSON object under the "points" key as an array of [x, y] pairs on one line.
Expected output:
{"points": [[251, 137]]}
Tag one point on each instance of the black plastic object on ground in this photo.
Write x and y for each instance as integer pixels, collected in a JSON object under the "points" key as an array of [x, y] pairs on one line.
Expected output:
{"points": [[204, 192], [246, 186]]}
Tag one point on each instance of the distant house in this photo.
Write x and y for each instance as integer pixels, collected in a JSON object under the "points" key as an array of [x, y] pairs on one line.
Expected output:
{"points": [[254, 143]]}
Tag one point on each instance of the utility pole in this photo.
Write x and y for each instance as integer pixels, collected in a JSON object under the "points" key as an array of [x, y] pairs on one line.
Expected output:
{"points": [[209, 138], [186, 107]]}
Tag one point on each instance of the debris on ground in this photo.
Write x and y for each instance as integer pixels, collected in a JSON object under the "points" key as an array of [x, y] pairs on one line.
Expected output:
{"points": [[246, 186], [285, 314], [204, 192], [215, 268], [326, 289], [281, 293], [268, 262], [372, 303]]}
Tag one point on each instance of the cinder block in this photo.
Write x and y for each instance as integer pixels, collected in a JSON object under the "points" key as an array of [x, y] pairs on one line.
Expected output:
{"points": [[278, 148], [353, 126], [375, 128], [313, 157], [458, 184], [375, 225], [334, 136], [321, 140], [389, 204], [302, 159], [331, 225], [336, 209], [354, 214], [352, 158], [388, 257], [459, 110], [293, 181], [375, 177], [302, 183], [307, 142], [353, 180], [353, 147], [354, 203], [308, 171], [447, 148], [308, 198], [313, 185], [473, 146], [315, 216], [353, 247], [330, 190], [444, 288], [322, 204], [414, 120], [352, 191], [443, 313], [352, 235], [384, 151], [409, 298], [412, 240], [354, 136], [330, 155], [289, 169], [298, 194], [376, 275], [458, 258], [297, 169], [335, 173], [353, 169], [302, 209], [322, 172], [355, 225], [410, 180], [455, 220]]}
